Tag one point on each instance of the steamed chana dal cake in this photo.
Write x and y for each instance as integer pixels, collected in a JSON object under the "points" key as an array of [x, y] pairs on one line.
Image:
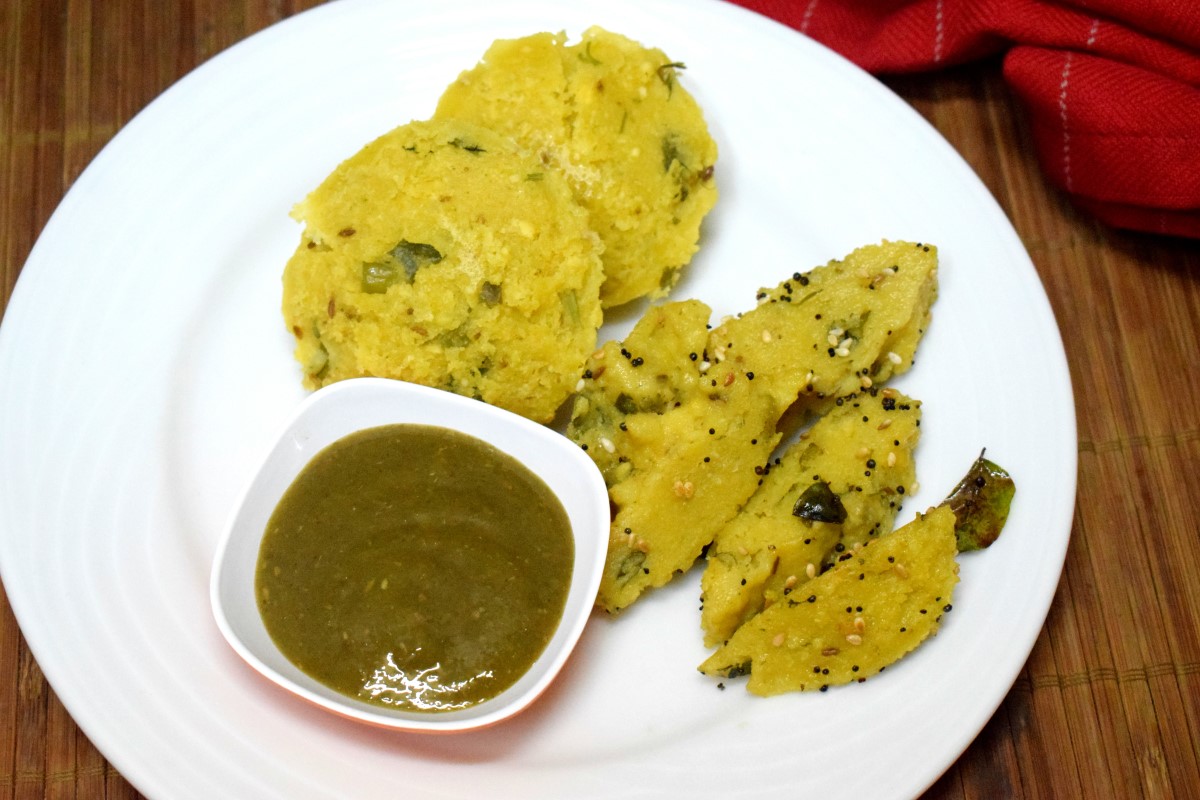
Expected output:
{"points": [[854, 620], [614, 117], [845, 326], [443, 254], [682, 420], [678, 455], [839, 485]]}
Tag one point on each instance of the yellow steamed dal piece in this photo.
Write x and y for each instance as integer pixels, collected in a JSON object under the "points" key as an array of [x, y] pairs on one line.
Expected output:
{"points": [[682, 420], [854, 620], [860, 453], [444, 254], [614, 117]]}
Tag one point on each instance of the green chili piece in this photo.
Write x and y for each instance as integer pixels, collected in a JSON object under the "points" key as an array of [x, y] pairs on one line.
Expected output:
{"points": [[630, 565], [377, 276], [570, 304]]}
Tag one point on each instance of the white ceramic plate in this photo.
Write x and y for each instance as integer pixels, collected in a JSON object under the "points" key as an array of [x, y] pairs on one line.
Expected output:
{"points": [[146, 371]]}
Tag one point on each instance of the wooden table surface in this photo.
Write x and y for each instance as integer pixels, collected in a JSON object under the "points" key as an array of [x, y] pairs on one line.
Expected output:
{"points": [[1108, 705]]}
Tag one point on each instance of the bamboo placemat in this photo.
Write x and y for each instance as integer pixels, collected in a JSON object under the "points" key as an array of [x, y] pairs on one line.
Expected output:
{"points": [[1108, 704]]}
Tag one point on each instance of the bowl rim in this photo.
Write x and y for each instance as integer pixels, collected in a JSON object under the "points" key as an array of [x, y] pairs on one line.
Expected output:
{"points": [[337, 410]]}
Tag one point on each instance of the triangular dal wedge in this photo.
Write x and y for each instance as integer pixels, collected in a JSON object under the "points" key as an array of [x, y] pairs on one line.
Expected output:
{"points": [[841, 484], [840, 328], [682, 420], [678, 455], [854, 620]]}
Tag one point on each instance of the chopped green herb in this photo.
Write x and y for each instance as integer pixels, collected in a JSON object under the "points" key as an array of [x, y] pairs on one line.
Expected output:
{"points": [[459, 337], [671, 153], [625, 404], [489, 293], [464, 145], [414, 255], [587, 57], [666, 74]]}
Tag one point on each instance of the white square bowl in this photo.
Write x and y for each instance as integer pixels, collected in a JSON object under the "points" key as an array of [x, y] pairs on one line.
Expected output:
{"points": [[352, 405]]}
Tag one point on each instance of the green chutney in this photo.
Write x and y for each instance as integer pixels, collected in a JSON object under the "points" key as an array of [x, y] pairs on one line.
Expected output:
{"points": [[415, 567]]}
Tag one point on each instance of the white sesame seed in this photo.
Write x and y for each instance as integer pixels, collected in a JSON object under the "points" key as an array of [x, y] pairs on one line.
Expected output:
{"points": [[607, 444], [866, 381], [790, 582], [891, 459], [811, 571], [900, 570], [766, 335], [842, 351], [579, 386], [854, 638], [895, 358], [778, 640], [704, 365]]}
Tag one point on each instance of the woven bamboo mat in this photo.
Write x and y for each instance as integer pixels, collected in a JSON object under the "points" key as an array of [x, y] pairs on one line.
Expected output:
{"points": [[1108, 704]]}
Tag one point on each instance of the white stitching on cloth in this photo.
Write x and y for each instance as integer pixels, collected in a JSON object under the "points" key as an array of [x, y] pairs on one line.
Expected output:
{"points": [[808, 14], [939, 35], [1062, 116], [1062, 104]]}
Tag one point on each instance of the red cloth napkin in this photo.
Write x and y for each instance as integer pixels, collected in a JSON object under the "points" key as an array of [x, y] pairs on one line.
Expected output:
{"points": [[1112, 87]]}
